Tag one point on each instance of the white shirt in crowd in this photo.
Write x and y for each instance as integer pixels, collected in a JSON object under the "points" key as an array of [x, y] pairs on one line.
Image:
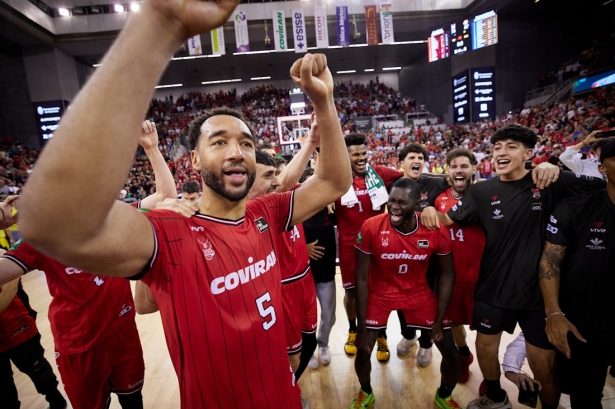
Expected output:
{"points": [[572, 159]]}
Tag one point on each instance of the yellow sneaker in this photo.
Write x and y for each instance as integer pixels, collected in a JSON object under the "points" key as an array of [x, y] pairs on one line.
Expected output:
{"points": [[383, 354], [349, 346]]}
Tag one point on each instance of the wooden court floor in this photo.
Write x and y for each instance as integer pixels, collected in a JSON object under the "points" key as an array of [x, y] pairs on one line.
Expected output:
{"points": [[400, 383]]}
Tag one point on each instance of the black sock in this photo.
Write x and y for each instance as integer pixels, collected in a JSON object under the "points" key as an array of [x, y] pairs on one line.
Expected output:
{"points": [[425, 340], [131, 401], [55, 399], [382, 333], [367, 387], [353, 325], [545, 406], [464, 351], [445, 391], [308, 346], [495, 391]]}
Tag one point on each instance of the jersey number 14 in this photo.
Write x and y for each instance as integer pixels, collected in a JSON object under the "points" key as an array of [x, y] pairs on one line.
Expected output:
{"points": [[459, 234]]}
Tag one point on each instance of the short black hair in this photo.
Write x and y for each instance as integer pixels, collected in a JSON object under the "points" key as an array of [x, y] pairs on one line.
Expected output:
{"points": [[456, 153], [265, 146], [191, 187], [306, 174], [263, 158], [599, 143], [413, 188], [516, 133], [355, 138], [279, 161], [411, 148], [195, 127]]}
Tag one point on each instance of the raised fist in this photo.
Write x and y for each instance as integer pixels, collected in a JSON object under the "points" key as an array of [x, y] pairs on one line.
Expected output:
{"points": [[149, 135], [312, 74]]}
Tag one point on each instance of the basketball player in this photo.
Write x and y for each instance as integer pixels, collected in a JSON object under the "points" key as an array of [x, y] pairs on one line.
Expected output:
{"points": [[468, 244], [392, 256], [222, 324], [191, 191], [91, 315], [513, 214], [577, 284], [20, 343], [350, 219]]}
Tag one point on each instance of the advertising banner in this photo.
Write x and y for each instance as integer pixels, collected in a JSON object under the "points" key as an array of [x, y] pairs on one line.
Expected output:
{"points": [[371, 25], [320, 23], [299, 31], [217, 41], [279, 30], [241, 31], [386, 23], [194, 45], [341, 20]]}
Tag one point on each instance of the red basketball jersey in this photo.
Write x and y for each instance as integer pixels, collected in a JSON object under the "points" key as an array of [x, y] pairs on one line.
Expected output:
{"points": [[467, 242], [16, 325], [399, 260], [350, 219], [85, 308], [291, 250], [218, 286]]}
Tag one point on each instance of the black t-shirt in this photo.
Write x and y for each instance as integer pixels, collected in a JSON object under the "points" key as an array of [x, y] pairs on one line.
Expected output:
{"points": [[514, 217], [431, 187], [586, 226], [321, 227]]}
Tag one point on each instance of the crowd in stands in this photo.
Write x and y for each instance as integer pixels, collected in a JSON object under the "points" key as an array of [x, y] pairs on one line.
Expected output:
{"points": [[16, 161]]}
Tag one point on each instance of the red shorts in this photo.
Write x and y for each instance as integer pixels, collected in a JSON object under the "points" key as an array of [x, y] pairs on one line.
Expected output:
{"points": [[461, 308], [347, 261], [299, 311], [116, 365], [419, 312]]}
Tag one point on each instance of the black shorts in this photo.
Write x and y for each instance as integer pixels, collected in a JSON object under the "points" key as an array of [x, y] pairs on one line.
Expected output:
{"points": [[492, 320]]}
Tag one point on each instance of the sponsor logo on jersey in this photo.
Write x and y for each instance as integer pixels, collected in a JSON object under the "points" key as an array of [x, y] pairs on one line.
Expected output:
{"points": [[207, 249], [552, 229], [553, 219], [384, 232], [598, 228], [361, 192], [535, 193], [372, 322], [403, 256], [98, 281], [424, 196], [125, 309], [495, 201], [423, 244], [359, 238], [443, 206], [385, 242], [14, 246], [134, 385], [537, 206], [56, 355], [197, 228], [497, 214], [244, 275], [261, 223], [454, 208], [596, 244], [424, 204], [22, 329], [71, 271]]}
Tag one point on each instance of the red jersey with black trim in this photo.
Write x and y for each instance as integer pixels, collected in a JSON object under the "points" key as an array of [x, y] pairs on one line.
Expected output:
{"points": [[217, 283], [350, 219], [467, 242], [85, 308], [399, 260], [16, 325]]}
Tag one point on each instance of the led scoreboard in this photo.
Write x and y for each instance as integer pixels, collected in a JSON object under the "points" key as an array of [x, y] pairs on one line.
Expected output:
{"points": [[485, 30], [460, 37], [438, 45], [461, 97], [483, 93]]}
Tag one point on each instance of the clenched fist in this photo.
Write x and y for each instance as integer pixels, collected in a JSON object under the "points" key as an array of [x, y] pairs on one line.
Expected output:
{"points": [[312, 74]]}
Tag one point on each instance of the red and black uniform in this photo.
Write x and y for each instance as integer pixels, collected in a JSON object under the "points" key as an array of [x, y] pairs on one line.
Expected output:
{"points": [[350, 220], [93, 325], [218, 284], [397, 271], [468, 243]]}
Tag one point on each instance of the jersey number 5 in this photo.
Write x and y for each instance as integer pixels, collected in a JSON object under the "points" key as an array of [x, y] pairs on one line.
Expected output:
{"points": [[268, 312], [459, 234]]}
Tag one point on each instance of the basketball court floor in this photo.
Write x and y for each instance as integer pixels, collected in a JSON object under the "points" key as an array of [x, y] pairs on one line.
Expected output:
{"points": [[398, 384]]}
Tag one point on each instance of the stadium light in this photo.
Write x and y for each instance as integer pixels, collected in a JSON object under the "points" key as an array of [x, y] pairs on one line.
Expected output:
{"points": [[169, 86], [134, 6], [368, 70], [260, 78], [118, 8], [63, 12], [347, 72], [391, 68]]}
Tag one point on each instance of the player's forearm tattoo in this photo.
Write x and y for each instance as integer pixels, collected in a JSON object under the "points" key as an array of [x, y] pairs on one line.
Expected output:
{"points": [[550, 263]]}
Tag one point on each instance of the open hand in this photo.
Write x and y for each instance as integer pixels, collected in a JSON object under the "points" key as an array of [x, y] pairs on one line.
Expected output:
{"points": [[557, 330], [315, 252], [181, 206], [313, 76], [523, 381]]}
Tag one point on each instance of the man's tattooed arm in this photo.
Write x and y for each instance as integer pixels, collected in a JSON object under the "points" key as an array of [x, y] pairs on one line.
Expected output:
{"points": [[549, 273]]}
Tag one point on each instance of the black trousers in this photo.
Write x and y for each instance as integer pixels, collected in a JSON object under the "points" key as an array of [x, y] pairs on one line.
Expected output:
{"points": [[29, 358], [584, 374]]}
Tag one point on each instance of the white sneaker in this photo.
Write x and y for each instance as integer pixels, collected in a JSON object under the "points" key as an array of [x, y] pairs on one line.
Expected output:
{"points": [[423, 357], [305, 404], [313, 364], [325, 355], [486, 403], [404, 345]]}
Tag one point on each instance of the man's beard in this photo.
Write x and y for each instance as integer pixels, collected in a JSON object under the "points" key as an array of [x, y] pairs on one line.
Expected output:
{"points": [[215, 181]]}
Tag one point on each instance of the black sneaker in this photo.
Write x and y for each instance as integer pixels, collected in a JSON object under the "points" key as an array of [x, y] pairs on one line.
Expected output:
{"points": [[56, 400]]}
